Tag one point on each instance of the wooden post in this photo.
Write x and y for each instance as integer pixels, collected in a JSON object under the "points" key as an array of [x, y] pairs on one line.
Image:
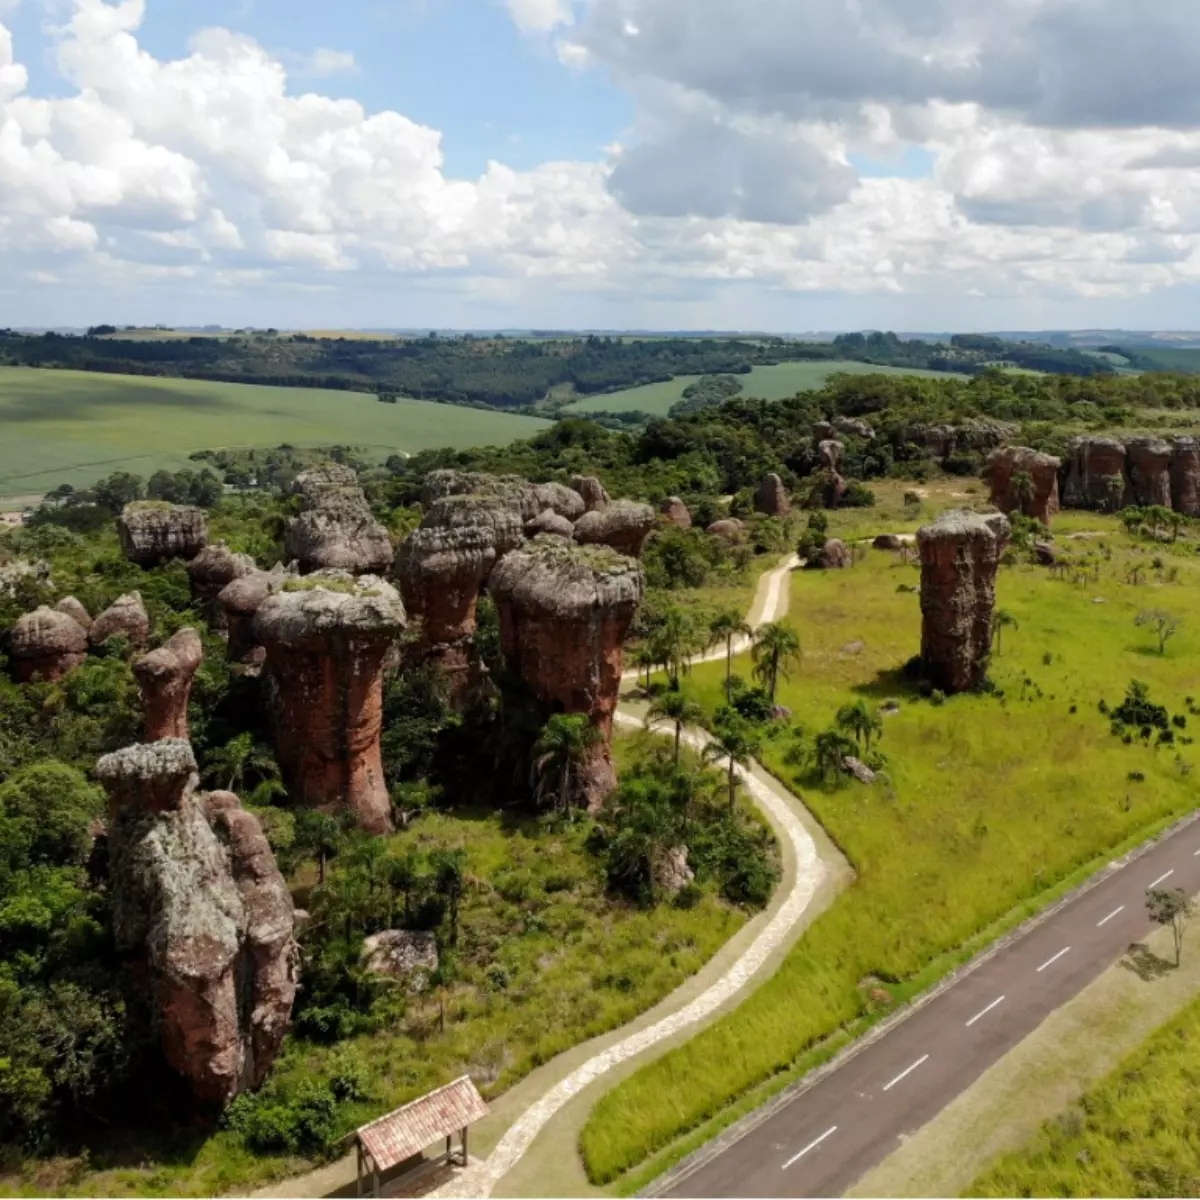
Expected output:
{"points": [[465, 1156], [375, 1178], [358, 1168], [449, 1147]]}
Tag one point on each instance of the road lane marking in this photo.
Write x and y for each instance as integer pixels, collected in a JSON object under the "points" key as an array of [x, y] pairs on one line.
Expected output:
{"points": [[1110, 916], [1051, 961], [906, 1071], [811, 1146], [1159, 880], [984, 1012]]}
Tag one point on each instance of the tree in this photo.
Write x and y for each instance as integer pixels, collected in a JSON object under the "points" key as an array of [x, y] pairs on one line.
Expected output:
{"points": [[1132, 518], [1002, 620], [677, 708], [830, 750], [321, 835], [644, 660], [736, 742], [1023, 489], [776, 649], [117, 490], [564, 741], [1170, 907], [860, 722], [404, 875], [673, 642], [723, 628], [1163, 625], [449, 871], [239, 758]]}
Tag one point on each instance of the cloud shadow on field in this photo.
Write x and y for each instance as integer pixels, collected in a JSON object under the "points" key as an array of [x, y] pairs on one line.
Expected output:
{"points": [[76, 403]]}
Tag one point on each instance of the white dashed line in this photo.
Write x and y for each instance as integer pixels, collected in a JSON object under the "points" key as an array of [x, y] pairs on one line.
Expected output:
{"points": [[984, 1011], [1165, 875], [1110, 916], [811, 1146], [906, 1071], [1051, 961]]}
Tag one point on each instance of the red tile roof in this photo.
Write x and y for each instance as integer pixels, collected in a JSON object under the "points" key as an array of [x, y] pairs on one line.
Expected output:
{"points": [[408, 1130]]}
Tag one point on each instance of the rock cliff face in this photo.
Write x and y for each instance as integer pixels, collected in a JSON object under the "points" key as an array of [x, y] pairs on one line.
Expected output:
{"points": [[47, 644], [165, 680], [960, 554], [1096, 474], [153, 532], [204, 918], [126, 615], [771, 497], [564, 613], [1149, 461], [1002, 468], [623, 525], [676, 512], [591, 489], [1185, 476], [326, 638], [212, 571]]}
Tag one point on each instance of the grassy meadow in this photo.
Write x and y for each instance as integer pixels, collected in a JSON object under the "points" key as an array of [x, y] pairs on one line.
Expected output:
{"points": [[77, 426], [989, 802]]}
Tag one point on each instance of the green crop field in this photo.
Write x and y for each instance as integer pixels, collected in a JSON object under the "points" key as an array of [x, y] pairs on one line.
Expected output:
{"points": [[989, 801], [766, 383], [76, 426]]}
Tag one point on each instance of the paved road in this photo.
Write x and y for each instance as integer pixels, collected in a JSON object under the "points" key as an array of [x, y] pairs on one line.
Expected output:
{"points": [[825, 1139]]}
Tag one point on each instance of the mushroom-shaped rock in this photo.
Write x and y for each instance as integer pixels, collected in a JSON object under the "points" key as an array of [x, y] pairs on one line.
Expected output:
{"points": [[165, 677], [1185, 476], [591, 489], [154, 532], [1096, 474], [213, 570], [203, 917], [326, 638], [324, 477], [75, 610], [549, 522], [829, 454], [1149, 463], [730, 529], [339, 533], [1025, 481], [526, 499], [835, 555], [239, 601], [623, 525], [676, 512], [960, 554], [125, 615], [771, 497], [47, 644], [565, 610]]}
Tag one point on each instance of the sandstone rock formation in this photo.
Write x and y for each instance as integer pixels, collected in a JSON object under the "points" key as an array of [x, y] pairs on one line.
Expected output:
{"points": [[592, 491], [835, 555], [203, 917], [549, 522], [829, 453], [888, 541], [676, 512], [730, 529], [125, 615], [960, 554], [670, 870], [1149, 464], [153, 532], [565, 610], [47, 644], [855, 426], [213, 570], [239, 601], [527, 500], [165, 680], [623, 525], [326, 638], [337, 530], [1185, 476], [822, 431], [1096, 474], [75, 610], [771, 497], [409, 955], [1002, 471]]}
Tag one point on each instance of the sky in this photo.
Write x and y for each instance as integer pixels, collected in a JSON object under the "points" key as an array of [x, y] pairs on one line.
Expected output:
{"points": [[783, 165]]}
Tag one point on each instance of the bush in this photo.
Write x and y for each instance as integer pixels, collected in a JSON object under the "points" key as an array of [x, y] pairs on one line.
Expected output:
{"points": [[857, 495], [304, 1124]]}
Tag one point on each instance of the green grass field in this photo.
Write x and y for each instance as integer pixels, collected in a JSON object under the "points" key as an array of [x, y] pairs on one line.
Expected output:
{"points": [[989, 803], [766, 383], [77, 426]]}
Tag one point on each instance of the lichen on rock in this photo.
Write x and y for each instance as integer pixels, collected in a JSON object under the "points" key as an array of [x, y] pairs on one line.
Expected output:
{"points": [[47, 644], [126, 615], [153, 532], [623, 525]]}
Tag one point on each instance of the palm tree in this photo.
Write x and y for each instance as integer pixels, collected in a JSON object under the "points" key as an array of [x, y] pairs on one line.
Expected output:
{"points": [[860, 722], [724, 627], [644, 660], [673, 642], [677, 708], [776, 648], [829, 752], [562, 745], [1001, 621], [239, 757], [736, 742]]}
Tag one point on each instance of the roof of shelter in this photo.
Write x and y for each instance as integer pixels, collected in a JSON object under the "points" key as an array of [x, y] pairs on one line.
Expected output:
{"points": [[408, 1130]]}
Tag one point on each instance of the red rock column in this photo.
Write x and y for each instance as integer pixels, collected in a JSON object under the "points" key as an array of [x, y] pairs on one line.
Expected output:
{"points": [[1149, 471], [960, 554], [165, 680], [1185, 476], [1096, 477], [326, 639], [1042, 469]]}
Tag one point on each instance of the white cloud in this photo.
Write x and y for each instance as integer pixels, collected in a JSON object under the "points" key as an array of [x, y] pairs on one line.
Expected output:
{"points": [[539, 16], [324, 62]]}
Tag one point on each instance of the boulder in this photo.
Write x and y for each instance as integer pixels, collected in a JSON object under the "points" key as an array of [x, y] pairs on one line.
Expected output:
{"points": [[855, 426], [623, 525], [829, 454], [338, 532], [325, 477], [164, 678], [550, 522], [202, 916], [888, 541], [238, 602], [47, 644], [565, 610], [326, 638], [858, 769], [592, 491], [212, 571], [154, 532], [1096, 474], [960, 554], [670, 871], [730, 529], [1045, 554], [1185, 476], [676, 512], [125, 615], [75, 610], [410, 955], [1001, 474], [835, 555], [771, 497], [1149, 464]]}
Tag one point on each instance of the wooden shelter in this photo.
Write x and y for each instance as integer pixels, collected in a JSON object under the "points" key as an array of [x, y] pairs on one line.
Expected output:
{"points": [[406, 1131]]}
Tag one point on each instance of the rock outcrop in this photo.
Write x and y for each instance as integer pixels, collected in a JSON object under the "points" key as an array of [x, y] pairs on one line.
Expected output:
{"points": [[212, 571], [549, 522], [1002, 472], [591, 489], [1096, 474], [336, 531], [771, 497], [624, 525], [730, 529], [1185, 476], [409, 955], [203, 916], [835, 555], [676, 512], [829, 454], [154, 532], [1149, 464], [75, 610], [854, 426], [164, 678], [565, 610], [239, 602], [960, 554], [326, 638], [125, 615], [47, 644], [670, 871], [527, 500]]}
